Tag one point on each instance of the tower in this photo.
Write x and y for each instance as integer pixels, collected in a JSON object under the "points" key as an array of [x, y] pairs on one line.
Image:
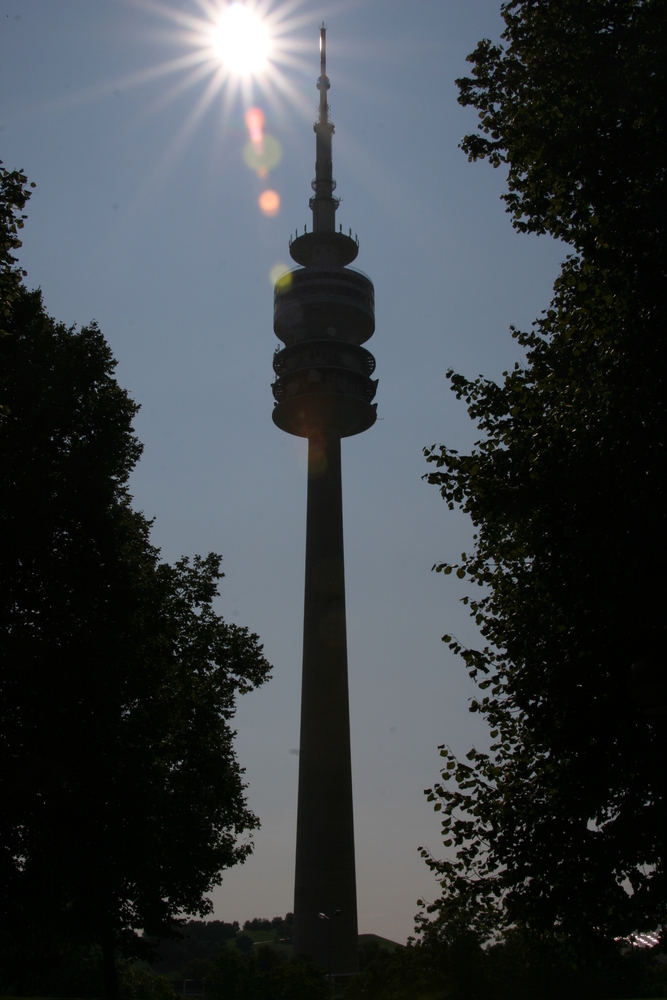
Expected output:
{"points": [[323, 312]]}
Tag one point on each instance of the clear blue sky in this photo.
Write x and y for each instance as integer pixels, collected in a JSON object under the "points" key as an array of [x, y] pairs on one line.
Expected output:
{"points": [[146, 220]]}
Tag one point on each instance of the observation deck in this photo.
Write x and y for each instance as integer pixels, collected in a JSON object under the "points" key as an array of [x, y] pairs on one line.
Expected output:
{"points": [[318, 303], [323, 314]]}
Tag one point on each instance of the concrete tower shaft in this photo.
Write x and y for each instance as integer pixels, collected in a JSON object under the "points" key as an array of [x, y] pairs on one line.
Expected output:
{"points": [[323, 312]]}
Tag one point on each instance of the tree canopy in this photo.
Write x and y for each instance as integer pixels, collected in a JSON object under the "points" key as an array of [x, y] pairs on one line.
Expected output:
{"points": [[14, 194], [520, 967], [561, 827], [265, 975], [123, 801]]}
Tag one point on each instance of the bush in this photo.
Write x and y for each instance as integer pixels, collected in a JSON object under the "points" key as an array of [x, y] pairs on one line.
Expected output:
{"points": [[138, 984], [265, 976]]}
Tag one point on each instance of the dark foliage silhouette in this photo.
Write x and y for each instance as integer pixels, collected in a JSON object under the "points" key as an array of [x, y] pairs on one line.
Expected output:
{"points": [[561, 828], [122, 800]]}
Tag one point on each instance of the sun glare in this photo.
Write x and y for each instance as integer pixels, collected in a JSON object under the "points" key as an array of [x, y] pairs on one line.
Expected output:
{"points": [[239, 59], [241, 40], [239, 51]]}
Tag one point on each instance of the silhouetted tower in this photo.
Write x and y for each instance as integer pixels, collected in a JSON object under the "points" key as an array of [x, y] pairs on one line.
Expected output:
{"points": [[323, 312]]}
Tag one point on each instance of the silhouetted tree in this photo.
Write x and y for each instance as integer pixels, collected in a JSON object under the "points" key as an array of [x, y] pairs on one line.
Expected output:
{"points": [[281, 926], [265, 976], [14, 193], [198, 940], [122, 800], [244, 943], [521, 967], [563, 824]]}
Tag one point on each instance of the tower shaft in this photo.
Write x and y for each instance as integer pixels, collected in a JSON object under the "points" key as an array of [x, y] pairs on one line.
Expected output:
{"points": [[325, 869]]}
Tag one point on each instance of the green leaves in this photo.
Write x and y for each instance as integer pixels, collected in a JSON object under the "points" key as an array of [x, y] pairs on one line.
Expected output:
{"points": [[122, 797], [566, 489], [14, 194], [574, 86]]}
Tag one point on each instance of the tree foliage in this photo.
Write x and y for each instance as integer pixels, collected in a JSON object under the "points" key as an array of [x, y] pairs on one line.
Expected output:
{"points": [[198, 941], [574, 103], [122, 799], [14, 193], [521, 967], [563, 823], [265, 975]]}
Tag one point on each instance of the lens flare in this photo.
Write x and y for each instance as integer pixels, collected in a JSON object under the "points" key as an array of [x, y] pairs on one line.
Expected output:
{"points": [[241, 40], [317, 457], [263, 152], [269, 203], [254, 119], [280, 276], [264, 157]]}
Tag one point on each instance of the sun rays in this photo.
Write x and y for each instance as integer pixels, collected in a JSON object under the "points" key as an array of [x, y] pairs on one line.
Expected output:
{"points": [[226, 59], [243, 50]]}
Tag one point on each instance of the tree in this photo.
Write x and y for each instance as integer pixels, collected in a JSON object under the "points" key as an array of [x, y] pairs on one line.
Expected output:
{"points": [[520, 967], [265, 975], [199, 940], [561, 827], [14, 193], [122, 798]]}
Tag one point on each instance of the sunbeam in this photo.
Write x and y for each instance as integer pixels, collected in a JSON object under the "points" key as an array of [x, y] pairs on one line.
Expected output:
{"points": [[232, 57], [245, 46]]}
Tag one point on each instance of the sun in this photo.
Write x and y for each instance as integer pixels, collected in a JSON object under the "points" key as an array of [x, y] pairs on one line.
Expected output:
{"points": [[241, 41], [228, 53], [235, 48]]}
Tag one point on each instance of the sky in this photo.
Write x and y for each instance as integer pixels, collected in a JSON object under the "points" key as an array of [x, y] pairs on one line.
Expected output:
{"points": [[146, 219]]}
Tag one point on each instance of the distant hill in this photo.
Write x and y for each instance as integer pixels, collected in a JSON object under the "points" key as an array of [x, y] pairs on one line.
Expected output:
{"points": [[203, 940], [382, 942]]}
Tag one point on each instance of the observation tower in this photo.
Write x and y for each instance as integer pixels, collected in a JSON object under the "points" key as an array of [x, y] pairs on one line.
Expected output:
{"points": [[323, 312]]}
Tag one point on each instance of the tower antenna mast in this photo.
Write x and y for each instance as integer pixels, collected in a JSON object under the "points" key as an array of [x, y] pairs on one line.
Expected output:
{"points": [[323, 82], [324, 204]]}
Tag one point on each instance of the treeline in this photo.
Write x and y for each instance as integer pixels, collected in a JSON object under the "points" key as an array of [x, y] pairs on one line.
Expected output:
{"points": [[521, 967], [282, 926], [265, 974], [230, 963], [202, 941]]}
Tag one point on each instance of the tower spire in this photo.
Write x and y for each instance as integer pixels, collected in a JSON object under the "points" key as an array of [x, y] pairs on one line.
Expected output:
{"points": [[323, 204], [323, 82], [323, 246]]}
